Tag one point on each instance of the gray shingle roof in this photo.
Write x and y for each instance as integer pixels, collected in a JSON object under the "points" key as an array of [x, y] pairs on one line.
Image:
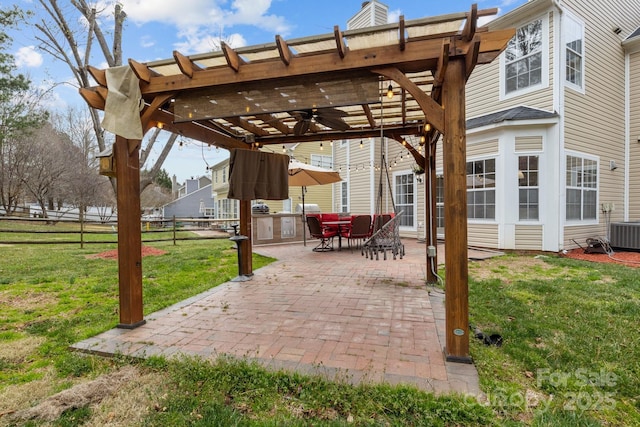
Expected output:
{"points": [[636, 33], [516, 113]]}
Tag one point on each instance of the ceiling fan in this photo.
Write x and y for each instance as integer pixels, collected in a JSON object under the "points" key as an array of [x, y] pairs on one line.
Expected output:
{"points": [[329, 117]]}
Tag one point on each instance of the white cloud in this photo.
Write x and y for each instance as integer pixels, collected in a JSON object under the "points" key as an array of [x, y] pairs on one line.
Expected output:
{"points": [[394, 16], [27, 56], [201, 24]]}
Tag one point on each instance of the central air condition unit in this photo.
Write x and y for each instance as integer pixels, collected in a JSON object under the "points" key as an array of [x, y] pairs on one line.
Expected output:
{"points": [[624, 235]]}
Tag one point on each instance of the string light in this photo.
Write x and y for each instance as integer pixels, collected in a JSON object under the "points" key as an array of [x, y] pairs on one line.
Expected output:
{"points": [[390, 92], [160, 125], [321, 148], [361, 145], [284, 149]]}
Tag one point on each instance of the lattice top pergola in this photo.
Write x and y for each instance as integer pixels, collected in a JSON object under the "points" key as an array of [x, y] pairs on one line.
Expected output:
{"points": [[325, 87]]}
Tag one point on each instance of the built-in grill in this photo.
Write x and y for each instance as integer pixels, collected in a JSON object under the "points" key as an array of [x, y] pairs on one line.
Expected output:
{"points": [[259, 208]]}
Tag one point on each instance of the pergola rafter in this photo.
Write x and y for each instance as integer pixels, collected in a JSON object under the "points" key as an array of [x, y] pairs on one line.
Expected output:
{"points": [[254, 96]]}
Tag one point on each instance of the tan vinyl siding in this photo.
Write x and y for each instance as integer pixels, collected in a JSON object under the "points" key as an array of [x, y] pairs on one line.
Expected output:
{"points": [[484, 148], [528, 237], [594, 121], [581, 233], [482, 235], [528, 143], [634, 136], [483, 88]]}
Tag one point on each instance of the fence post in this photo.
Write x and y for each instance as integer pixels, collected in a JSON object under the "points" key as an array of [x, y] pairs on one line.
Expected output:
{"points": [[174, 230], [81, 231]]}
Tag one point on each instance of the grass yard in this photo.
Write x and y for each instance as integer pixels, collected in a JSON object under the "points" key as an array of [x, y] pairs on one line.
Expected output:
{"points": [[570, 355]]}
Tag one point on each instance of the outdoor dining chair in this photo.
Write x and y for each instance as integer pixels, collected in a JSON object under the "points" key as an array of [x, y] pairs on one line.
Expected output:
{"points": [[360, 229], [324, 234]]}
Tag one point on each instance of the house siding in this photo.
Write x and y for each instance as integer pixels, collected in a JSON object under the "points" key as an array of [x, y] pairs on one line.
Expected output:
{"points": [[528, 143], [483, 87], [634, 136], [528, 237], [594, 121], [483, 235]]}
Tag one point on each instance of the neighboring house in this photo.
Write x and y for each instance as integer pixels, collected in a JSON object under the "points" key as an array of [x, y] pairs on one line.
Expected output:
{"points": [[553, 135], [317, 154], [194, 200], [225, 208]]}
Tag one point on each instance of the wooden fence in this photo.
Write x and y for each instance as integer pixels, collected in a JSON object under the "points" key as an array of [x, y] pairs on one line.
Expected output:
{"points": [[21, 230]]}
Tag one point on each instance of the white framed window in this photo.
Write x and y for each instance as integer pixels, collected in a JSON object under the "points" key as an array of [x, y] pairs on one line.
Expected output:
{"points": [[405, 198], [581, 188], [440, 203], [528, 188], [322, 161], [524, 64], [573, 38], [344, 197], [481, 189]]}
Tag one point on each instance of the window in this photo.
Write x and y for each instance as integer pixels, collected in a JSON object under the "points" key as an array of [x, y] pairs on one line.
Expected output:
{"points": [[481, 192], [573, 34], [528, 201], [322, 161], [224, 174], [440, 204], [228, 209], [524, 58], [405, 198], [344, 197], [582, 188]]}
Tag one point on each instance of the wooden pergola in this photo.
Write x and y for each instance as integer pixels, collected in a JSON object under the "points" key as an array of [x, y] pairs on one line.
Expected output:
{"points": [[256, 96]]}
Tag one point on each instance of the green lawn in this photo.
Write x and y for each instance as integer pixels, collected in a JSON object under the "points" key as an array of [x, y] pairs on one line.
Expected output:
{"points": [[570, 355]]}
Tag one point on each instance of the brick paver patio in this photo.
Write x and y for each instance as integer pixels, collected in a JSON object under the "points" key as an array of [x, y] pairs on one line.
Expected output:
{"points": [[337, 313]]}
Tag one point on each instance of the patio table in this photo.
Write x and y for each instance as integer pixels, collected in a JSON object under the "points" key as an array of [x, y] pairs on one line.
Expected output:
{"points": [[339, 223]]}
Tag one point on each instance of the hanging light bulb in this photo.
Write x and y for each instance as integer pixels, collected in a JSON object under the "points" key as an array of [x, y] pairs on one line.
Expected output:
{"points": [[180, 145], [321, 147], [423, 139], [390, 92], [284, 149], [427, 127], [361, 145], [404, 142], [331, 143], [160, 125]]}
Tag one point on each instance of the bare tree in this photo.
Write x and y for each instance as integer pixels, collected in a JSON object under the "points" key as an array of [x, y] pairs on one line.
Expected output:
{"points": [[73, 46], [47, 166], [83, 187]]}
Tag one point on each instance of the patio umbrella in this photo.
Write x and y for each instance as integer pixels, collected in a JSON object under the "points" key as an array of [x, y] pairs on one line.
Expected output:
{"points": [[303, 175]]}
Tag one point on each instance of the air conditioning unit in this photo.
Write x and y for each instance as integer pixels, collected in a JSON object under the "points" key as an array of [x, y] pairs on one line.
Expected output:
{"points": [[625, 235]]}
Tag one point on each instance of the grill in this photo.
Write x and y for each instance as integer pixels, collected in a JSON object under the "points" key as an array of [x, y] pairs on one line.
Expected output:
{"points": [[260, 208], [625, 235]]}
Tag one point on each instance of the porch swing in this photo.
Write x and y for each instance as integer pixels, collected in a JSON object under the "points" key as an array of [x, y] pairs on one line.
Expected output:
{"points": [[386, 227]]}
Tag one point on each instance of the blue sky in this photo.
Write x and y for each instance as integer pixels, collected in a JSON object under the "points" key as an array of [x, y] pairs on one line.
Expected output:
{"points": [[154, 28]]}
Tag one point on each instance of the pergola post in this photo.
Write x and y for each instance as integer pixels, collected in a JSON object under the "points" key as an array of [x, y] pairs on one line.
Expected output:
{"points": [[455, 213], [127, 158], [245, 230]]}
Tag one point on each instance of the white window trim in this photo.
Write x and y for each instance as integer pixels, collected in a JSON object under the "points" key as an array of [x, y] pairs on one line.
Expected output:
{"points": [[563, 53], [537, 154], [495, 219], [545, 64], [414, 227], [580, 222]]}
